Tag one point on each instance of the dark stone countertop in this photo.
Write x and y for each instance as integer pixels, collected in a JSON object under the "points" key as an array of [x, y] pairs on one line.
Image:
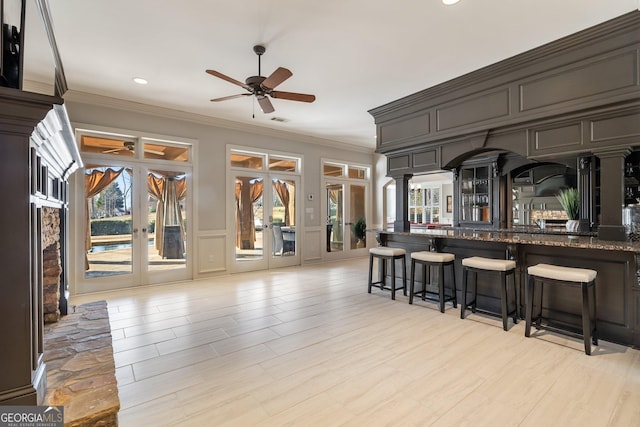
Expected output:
{"points": [[539, 237]]}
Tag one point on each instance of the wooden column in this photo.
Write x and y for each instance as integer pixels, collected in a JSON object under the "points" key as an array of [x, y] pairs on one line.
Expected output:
{"points": [[586, 181], [22, 372], [612, 194], [402, 203]]}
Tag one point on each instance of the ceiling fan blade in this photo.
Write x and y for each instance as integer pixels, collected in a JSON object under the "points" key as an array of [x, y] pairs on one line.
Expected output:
{"points": [[113, 150], [292, 96], [224, 98], [227, 78], [277, 77], [266, 105], [156, 152]]}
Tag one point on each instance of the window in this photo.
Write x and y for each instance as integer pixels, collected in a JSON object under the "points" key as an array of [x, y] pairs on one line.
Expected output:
{"points": [[333, 170], [264, 161], [246, 160], [424, 204]]}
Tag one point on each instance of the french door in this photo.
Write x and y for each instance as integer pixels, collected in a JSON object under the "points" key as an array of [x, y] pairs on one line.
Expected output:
{"points": [[345, 206], [264, 220], [136, 225]]}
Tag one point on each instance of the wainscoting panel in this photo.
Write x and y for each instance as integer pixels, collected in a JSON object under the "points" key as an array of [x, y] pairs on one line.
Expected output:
{"points": [[212, 256], [313, 244]]}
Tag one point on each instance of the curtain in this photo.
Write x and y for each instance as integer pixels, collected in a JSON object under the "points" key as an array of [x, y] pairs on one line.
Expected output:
{"points": [[168, 191], [94, 183], [247, 193], [282, 191]]}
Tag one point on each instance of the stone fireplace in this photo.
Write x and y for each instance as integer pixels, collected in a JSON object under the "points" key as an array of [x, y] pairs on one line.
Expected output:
{"points": [[51, 264]]}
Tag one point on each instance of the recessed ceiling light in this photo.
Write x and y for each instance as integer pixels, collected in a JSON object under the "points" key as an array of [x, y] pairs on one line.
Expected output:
{"points": [[140, 80], [450, 2]]}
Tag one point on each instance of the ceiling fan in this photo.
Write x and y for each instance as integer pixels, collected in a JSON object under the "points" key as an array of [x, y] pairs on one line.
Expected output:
{"points": [[130, 146], [263, 87]]}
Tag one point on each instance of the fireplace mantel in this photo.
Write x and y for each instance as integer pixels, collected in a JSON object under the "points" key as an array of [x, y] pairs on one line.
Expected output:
{"points": [[37, 155]]}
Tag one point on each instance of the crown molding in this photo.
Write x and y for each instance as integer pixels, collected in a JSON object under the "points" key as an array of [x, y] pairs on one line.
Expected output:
{"points": [[167, 113]]}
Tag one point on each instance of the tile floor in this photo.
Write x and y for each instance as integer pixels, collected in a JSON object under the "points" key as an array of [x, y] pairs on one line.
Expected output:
{"points": [[308, 346]]}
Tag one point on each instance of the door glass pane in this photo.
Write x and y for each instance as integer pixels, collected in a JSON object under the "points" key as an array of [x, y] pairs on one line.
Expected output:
{"points": [[249, 214], [166, 231], [357, 220], [335, 217], [108, 192], [283, 212]]}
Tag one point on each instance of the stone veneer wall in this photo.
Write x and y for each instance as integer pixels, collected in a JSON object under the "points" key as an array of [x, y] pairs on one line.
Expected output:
{"points": [[51, 263]]}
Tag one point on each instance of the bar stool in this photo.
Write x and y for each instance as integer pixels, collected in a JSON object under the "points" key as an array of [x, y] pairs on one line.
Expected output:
{"points": [[384, 254], [564, 276], [433, 259], [505, 268]]}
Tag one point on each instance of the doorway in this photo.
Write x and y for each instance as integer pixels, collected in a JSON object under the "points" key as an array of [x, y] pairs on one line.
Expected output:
{"points": [[134, 214], [264, 218], [345, 201]]}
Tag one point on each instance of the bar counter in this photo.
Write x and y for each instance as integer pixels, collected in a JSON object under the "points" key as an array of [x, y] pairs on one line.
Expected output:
{"points": [[617, 287], [585, 240]]}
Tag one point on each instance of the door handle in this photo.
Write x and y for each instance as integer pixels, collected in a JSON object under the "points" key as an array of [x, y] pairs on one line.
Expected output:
{"points": [[135, 230], [144, 230]]}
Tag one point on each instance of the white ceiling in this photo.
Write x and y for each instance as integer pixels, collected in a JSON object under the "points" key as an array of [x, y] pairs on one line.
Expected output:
{"points": [[354, 55]]}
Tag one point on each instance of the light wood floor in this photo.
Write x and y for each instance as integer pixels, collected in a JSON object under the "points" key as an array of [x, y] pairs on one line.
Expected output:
{"points": [[309, 347]]}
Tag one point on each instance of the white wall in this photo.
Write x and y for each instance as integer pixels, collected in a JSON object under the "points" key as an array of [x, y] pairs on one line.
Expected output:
{"points": [[210, 165]]}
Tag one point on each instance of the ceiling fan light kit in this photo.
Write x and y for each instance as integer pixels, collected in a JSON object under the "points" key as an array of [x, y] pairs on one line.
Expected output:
{"points": [[263, 87]]}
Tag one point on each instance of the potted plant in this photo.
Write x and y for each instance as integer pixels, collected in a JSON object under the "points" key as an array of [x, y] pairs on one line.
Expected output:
{"points": [[359, 230], [570, 200]]}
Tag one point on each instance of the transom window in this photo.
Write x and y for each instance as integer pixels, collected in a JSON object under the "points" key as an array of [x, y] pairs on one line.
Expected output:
{"points": [[342, 170], [263, 161]]}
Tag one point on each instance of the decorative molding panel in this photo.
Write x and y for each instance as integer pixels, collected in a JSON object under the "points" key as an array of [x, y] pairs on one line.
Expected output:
{"points": [[212, 253], [313, 239]]}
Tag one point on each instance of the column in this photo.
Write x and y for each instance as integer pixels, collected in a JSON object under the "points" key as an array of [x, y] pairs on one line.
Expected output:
{"points": [[612, 194], [402, 203]]}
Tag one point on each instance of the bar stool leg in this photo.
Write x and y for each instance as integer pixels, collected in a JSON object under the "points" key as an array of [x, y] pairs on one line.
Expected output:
{"points": [[426, 272], [595, 315], [441, 286], [529, 304], [503, 302], [453, 284], [516, 311], [393, 278], [412, 280], [474, 291], [370, 272], [404, 275], [463, 296], [586, 318]]}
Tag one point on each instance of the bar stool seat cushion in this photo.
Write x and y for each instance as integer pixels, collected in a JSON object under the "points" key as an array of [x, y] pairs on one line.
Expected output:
{"points": [[557, 272], [432, 256], [489, 263], [385, 251]]}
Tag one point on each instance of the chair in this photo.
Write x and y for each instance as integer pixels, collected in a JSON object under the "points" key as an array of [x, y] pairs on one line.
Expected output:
{"points": [[505, 268], [433, 259], [288, 241], [582, 278], [278, 241], [390, 255]]}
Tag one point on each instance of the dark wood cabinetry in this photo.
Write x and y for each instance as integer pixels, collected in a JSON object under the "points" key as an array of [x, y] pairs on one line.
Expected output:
{"points": [[475, 188]]}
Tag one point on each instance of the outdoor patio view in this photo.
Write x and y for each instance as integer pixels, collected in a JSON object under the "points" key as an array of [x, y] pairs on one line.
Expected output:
{"points": [[114, 230]]}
